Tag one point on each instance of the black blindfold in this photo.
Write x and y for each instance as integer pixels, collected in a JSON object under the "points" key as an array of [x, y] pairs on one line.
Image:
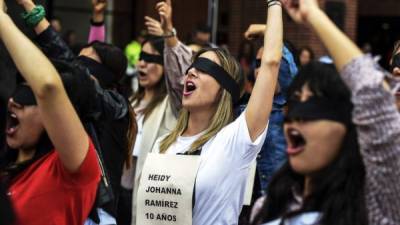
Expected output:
{"points": [[23, 95], [319, 108], [219, 74], [157, 59]]}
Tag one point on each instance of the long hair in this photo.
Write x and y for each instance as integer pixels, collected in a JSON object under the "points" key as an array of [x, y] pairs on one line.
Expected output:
{"points": [[160, 87], [337, 191], [224, 113], [80, 91]]}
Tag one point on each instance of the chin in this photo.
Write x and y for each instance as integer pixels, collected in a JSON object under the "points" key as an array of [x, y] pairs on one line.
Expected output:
{"points": [[300, 167]]}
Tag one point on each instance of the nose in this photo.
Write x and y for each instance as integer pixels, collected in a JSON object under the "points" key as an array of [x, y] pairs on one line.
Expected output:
{"points": [[142, 63], [192, 72]]}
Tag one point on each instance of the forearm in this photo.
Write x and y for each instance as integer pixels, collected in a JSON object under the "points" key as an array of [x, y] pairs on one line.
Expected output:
{"points": [[39, 73], [340, 47], [176, 59], [97, 32], [265, 85], [42, 25]]}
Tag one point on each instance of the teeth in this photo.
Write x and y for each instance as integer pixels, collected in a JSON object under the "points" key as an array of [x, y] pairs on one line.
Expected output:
{"points": [[294, 133], [13, 115]]}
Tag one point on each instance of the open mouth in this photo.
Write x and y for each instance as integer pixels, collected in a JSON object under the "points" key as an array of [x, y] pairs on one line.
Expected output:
{"points": [[190, 87], [142, 74], [296, 141], [12, 123]]}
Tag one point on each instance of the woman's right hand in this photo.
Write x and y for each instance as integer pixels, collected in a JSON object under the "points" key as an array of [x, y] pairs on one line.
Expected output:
{"points": [[300, 10], [153, 26], [165, 11]]}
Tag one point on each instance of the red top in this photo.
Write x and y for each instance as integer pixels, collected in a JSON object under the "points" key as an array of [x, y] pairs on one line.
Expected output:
{"points": [[46, 193]]}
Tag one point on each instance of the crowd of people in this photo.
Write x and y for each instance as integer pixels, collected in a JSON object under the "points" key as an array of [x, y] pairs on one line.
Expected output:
{"points": [[167, 132]]}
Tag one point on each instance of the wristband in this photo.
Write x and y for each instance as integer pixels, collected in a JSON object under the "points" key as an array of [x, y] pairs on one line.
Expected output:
{"points": [[271, 3], [172, 33], [34, 17]]}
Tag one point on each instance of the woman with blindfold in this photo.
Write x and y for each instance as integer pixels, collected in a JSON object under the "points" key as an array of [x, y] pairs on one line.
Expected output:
{"points": [[113, 119], [343, 144], [156, 104], [53, 172], [223, 148]]}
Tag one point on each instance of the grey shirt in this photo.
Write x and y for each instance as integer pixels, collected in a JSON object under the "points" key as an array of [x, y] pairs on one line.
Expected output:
{"points": [[378, 124]]}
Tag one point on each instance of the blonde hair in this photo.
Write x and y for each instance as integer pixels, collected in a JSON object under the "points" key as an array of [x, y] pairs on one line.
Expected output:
{"points": [[224, 113]]}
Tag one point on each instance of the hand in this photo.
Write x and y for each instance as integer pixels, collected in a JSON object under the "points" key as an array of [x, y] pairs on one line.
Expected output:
{"points": [[254, 31], [27, 4], [165, 11], [153, 26], [99, 6], [300, 10]]}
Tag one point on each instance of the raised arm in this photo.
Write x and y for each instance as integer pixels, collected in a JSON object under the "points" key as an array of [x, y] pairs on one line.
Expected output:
{"points": [[97, 28], [340, 47], [48, 39], [260, 103], [59, 117], [177, 56], [375, 113]]}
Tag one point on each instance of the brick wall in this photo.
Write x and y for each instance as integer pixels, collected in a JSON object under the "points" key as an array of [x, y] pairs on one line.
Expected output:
{"points": [[245, 12], [240, 14]]}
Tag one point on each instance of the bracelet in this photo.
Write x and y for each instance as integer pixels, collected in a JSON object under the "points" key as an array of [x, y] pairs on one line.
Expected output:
{"points": [[34, 17], [271, 3], [172, 33]]}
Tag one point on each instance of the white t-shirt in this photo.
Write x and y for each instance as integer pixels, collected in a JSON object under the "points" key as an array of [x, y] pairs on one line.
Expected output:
{"points": [[139, 120], [224, 168], [310, 218], [128, 175]]}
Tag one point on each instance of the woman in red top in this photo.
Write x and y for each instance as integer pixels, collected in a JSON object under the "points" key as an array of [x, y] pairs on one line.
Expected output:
{"points": [[52, 170]]}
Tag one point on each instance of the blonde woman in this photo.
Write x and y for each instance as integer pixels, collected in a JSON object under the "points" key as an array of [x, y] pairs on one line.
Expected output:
{"points": [[206, 128]]}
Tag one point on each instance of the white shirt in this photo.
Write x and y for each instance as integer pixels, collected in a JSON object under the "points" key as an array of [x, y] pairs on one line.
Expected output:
{"points": [[224, 167], [310, 218], [139, 120]]}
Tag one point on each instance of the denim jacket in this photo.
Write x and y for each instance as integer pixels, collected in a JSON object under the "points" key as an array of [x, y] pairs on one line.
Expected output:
{"points": [[273, 152]]}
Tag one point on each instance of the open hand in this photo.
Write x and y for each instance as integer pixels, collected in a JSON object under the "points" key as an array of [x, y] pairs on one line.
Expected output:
{"points": [[165, 11], [99, 6], [153, 26]]}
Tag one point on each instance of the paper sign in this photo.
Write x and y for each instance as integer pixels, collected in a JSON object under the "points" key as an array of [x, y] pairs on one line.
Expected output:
{"points": [[166, 189]]}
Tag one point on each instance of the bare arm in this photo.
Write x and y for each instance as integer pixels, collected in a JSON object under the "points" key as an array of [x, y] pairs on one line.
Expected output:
{"points": [[59, 117], [341, 48], [264, 88], [97, 29]]}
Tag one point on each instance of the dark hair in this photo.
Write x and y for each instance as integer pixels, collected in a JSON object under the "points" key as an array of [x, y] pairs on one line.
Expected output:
{"points": [[308, 49], [338, 190], [161, 88], [80, 91], [250, 56], [111, 57], [203, 28]]}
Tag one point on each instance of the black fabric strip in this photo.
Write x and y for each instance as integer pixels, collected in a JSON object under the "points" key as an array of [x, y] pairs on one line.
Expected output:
{"points": [[258, 63], [23, 95], [218, 73], [319, 108], [395, 62], [158, 59]]}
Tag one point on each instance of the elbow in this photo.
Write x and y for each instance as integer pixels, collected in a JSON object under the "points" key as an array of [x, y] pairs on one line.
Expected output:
{"points": [[49, 87], [272, 59], [272, 62]]}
